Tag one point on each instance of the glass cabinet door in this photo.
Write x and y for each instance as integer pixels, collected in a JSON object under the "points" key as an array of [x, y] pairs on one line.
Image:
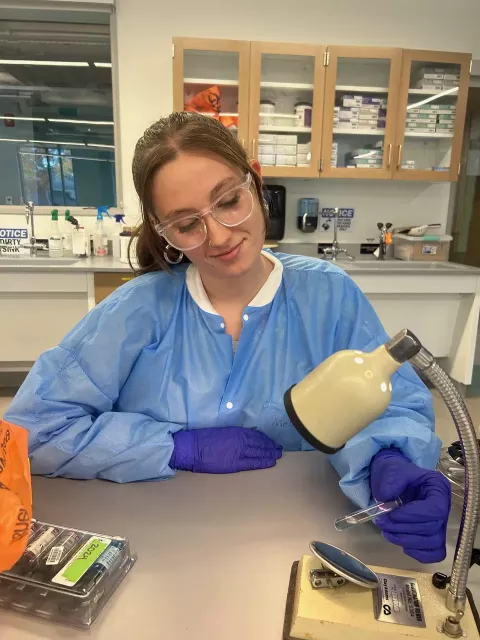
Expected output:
{"points": [[211, 77], [286, 95], [360, 109], [431, 115]]}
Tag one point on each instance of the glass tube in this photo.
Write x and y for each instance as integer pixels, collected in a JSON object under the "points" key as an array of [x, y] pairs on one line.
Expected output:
{"points": [[364, 515]]}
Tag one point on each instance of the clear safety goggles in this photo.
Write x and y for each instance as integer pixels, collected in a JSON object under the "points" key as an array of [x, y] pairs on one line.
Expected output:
{"points": [[230, 209]]}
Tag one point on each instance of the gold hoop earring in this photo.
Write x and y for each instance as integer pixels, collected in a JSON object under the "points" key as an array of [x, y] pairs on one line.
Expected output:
{"points": [[169, 260]]}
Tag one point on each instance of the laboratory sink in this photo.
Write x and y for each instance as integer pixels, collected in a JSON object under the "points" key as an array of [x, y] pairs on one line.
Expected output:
{"points": [[36, 262], [399, 265]]}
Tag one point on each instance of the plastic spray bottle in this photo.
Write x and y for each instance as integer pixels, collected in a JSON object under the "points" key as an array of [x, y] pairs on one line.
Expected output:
{"points": [[55, 241], [117, 230], [100, 239]]}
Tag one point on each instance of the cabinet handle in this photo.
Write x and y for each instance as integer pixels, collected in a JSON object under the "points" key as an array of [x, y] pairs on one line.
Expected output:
{"points": [[253, 149], [242, 142], [389, 159], [400, 150]]}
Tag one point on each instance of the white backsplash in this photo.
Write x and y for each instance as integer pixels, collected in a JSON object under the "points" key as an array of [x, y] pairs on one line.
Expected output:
{"points": [[374, 201], [401, 203]]}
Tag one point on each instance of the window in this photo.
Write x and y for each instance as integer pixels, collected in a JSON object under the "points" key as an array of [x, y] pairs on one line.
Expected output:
{"points": [[56, 112]]}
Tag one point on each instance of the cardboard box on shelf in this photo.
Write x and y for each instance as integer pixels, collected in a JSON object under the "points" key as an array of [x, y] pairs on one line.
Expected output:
{"points": [[282, 160], [431, 76], [347, 125], [447, 117], [267, 138], [265, 149], [352, 101], [445, 126], [287, 138], [429, 87], [371, 124], [286, 150], [410, 163], [450, 84], [304, 148], [419, 130], [430, 116], [421, 125], [429, 81], [366, 162], [304, 158], [351, 118], [267, 160], [432, 69], [451, 76], [409, 167]]}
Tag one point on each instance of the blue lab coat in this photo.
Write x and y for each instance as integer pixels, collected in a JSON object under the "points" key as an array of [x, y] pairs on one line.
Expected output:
{"points": [[149, 361]]}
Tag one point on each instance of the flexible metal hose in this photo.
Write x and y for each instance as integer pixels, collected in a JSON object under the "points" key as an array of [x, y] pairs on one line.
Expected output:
{"points": [[457, 590]]}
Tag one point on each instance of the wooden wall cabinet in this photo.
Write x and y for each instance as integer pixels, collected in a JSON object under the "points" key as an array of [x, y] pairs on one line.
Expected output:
{"points": [[311, 111]]}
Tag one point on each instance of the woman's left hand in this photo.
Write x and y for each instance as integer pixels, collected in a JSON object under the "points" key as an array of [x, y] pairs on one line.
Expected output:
{"points": [[420, 525]]}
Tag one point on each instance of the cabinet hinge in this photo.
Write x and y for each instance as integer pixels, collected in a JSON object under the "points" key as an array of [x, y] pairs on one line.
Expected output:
{"points": [[471, 64], [173, 50], [320, 164], [326, 58], [459, 168]]}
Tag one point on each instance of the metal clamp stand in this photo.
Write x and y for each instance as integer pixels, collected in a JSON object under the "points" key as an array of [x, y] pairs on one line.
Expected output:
{"points": [[335, 251]]}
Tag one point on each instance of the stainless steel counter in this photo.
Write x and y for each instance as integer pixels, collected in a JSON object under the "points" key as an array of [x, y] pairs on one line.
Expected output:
{"points": [[214, 552]]}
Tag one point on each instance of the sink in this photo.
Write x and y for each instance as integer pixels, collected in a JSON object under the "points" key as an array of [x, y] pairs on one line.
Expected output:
{"points": [[37, 262], [399, 265]]}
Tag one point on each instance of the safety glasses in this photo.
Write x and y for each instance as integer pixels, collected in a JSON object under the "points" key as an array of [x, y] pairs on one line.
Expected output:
{"points": [[230, 209]]}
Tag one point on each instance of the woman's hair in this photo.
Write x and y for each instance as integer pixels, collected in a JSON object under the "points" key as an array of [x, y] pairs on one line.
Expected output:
{"points": [[162, 143]]}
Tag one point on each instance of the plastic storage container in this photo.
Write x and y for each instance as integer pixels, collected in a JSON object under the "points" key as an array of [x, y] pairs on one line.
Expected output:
{"points": [[421, 248], [65, 575]]}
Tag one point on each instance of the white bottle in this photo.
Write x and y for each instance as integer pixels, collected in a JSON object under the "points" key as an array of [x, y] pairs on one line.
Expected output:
{"points": [[100, 239], [55, 240]]}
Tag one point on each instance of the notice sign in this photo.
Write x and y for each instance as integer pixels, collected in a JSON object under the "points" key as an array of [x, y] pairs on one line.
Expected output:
{"points": [[11, 239], [344, 219]]}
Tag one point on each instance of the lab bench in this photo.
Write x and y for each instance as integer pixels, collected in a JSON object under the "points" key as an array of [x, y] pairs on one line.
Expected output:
{"points": [[43, 299], [214, 553]]}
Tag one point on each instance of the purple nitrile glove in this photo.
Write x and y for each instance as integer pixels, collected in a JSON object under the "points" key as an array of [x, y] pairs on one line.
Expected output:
{"points": [[223, 450], [420, 525]]}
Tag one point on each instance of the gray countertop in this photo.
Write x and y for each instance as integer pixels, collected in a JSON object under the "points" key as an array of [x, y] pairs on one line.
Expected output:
{"points": [[361, 265], [214, 552]]}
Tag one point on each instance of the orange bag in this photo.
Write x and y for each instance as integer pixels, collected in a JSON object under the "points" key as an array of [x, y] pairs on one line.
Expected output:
{"points": [[15, 494], [206, 101]]}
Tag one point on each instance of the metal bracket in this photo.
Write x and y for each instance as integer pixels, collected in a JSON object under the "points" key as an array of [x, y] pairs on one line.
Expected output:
{"points": [[325, 579], [326, 58]]}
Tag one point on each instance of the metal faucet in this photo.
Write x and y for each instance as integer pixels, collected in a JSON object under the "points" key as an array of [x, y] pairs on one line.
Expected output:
{"points": [[33, 245], [336, 250], [382, 247]]}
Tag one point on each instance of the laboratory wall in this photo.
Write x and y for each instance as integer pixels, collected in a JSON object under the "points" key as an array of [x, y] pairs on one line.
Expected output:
{"points": [[144, 31]]}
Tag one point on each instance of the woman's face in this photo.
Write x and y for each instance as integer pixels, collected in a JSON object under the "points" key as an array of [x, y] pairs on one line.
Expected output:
{"points": [[190, 184]]}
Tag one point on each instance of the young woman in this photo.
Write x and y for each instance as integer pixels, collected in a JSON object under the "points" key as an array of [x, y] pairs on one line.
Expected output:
{"points": [[185, 367]]}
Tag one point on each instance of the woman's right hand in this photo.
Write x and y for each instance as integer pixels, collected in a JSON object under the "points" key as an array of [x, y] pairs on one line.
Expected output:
{"points": [[223, 450]]}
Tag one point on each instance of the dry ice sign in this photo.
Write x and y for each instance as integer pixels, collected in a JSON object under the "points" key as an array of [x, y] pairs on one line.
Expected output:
{"points": [[344, 219], [11, 241]]}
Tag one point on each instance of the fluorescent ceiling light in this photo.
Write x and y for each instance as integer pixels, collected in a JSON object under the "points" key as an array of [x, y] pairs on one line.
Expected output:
{"points": [[11, 140], [93, 122], [102, 146], [5, 117], [46, 63], [436, 96], [63, 144], [106, 65]]}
